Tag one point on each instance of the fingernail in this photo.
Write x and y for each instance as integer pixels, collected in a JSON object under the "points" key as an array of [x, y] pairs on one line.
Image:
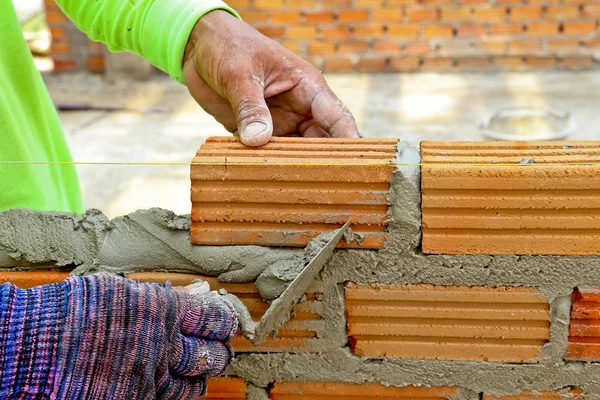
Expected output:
{"points": [[254, 129]]}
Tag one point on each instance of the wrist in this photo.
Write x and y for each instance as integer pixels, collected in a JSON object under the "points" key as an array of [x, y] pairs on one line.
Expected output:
{"points": [[205, 29]]}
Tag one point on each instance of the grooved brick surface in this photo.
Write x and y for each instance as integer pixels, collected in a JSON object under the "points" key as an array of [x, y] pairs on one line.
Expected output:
{"points": [[29, 279], [225, 388], [290, 190], [584, 330], [447, 322], [562, 394], [338, 391], [511, 197], [295, 335]]}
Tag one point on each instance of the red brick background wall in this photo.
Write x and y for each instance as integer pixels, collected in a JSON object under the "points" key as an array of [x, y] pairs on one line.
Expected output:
{"points": [[407, 35]]}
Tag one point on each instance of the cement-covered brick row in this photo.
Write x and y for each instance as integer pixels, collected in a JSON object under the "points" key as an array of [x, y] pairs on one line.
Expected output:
{"points": [[584, 329], [561, 394], [511, 197], [507, 324], [290, 190], [337, 390], [302, 333]]}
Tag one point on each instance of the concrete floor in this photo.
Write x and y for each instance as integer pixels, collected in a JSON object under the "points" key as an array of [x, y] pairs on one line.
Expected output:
{"points": [[413, 107]]}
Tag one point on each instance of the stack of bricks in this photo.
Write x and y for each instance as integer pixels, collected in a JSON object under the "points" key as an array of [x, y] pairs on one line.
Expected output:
{"points": [[402, 35], [71, 50], [499, 299]]}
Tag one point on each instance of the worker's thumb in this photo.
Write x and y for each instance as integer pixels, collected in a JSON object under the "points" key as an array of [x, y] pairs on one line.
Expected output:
{"points": [[254, 122]]}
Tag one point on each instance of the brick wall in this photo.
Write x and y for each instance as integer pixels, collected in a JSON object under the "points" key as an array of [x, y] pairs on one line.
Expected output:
{"points": [[487, 285], [402, 35], [71, 50]]}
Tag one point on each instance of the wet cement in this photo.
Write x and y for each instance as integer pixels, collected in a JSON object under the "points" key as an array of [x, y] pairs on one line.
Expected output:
{"points": [[158, 240]]}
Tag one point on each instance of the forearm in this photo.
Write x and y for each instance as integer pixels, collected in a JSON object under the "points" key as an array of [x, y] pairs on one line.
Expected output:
{"points": [[157, 30]]}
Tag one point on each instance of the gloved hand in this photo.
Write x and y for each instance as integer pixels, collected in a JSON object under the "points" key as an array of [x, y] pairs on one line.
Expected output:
{"points": [[107, 337], [256, 87]]}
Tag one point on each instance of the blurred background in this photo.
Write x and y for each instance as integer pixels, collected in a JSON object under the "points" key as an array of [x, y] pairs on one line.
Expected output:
{"points": [[414, 69]]}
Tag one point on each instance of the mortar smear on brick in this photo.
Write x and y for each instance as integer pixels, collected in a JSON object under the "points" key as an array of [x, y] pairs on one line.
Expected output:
{"points": [[511, 197], [584, 329], [561, 394], [295, 335], [290, 190], [333, 390], [505, 324]]}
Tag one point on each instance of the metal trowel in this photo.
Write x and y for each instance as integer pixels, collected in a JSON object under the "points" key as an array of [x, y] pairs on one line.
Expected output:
{"points": [[281, 308]]}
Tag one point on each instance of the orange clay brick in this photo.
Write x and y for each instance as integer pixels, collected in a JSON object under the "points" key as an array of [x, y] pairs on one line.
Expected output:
{"points": [[290, 190], [490, 14], [381, 47], [508, 63], [352, 16], [301, 4], [438, 31], [414, 14], [504, 324], [258, 17], [335, 32], [418, 48], [58, 33], [437, 64], [473, 63], [397, 3], [471, 31], [541, 62], [296, 334], [95, 64], [368, 3], [525, 46], [268, 4], [334, 5], [562, 12], [525, 13], [491, 46], [225, 388], [562, 394], [408, 31], [367, 31], [510, 29], [29, 279], [455, 14], [563, 45], [301, 32], [405, 64], [64, 65], [592, 44], [338, 64], [371, 64], [272, 32], [319, 17], [542, 28], [60, 48], [584, 330], [333, 390], [353, 48], [591, 10], [470, 205], [283, 17], [387, 15], [578, 62], [579, 28], [436, 2], [453, 48], [293, 46], [238, 4], [321, 48]]}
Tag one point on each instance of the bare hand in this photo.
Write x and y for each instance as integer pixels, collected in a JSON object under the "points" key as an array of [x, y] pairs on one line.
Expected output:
{"points": [[257, 88]]}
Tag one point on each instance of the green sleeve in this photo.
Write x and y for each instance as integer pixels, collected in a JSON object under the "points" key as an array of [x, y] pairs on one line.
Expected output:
{"points": [[157, 30]]}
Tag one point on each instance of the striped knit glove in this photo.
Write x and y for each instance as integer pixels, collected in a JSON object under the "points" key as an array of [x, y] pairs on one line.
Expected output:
{"points": [[106, 337]]}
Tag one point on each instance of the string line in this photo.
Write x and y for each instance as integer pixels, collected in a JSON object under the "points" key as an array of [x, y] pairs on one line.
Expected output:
{"points": [[189, 164]]}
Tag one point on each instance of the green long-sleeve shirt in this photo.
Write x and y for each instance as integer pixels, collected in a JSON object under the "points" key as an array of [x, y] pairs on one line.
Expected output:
{"points": [[30, 129]]}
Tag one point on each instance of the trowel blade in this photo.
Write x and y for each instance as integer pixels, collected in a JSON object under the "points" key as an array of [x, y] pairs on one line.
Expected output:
{"points": [[280, 309]]}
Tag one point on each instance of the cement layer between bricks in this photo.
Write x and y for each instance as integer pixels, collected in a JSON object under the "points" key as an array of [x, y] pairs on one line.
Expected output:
{"points": [[157, 240]]}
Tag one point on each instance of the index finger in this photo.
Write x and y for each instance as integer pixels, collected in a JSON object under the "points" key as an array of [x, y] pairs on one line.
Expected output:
{"points": [[333, 116], [208, 317]]}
